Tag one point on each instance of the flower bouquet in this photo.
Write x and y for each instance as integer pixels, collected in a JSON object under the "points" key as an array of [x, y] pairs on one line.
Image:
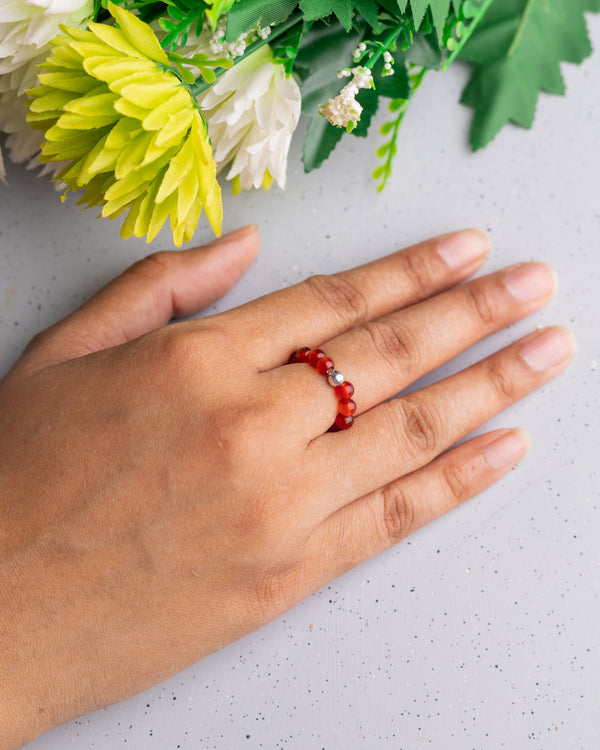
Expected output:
{"points": [[143, 104]]}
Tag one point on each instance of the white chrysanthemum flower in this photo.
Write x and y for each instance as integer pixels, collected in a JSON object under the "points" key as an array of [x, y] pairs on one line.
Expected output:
{"points": [[252, 112], [344, 110], [22, 143], [26, 26]]}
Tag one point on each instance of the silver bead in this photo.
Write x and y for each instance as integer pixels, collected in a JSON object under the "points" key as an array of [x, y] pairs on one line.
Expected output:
{"points": [[335, 377]]}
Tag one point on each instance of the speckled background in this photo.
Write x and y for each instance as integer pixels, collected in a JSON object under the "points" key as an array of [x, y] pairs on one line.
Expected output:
{"points": [[481, 631]]}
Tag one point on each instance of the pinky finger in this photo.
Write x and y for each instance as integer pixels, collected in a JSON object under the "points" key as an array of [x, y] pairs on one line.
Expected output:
{"points": [[375, 522]]}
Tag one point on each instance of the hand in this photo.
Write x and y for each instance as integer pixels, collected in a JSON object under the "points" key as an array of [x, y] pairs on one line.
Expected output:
{"points": [[165, 490]]}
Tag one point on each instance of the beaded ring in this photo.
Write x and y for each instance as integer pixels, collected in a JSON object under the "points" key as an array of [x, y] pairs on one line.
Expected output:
{"points": [[342, 388]]}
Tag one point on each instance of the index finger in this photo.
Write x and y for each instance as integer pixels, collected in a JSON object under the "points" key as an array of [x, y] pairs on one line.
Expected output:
{"points": [[322, 307]]}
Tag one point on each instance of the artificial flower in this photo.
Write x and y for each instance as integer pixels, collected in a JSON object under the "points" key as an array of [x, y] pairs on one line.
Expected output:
{"points": [[344, 111], [130, 108], [252, 112], [22, 143], [27, 26], [135, 140], [26, 29]]}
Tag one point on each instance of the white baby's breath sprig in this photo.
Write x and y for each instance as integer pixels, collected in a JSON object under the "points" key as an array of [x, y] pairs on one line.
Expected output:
{"points": [[344, 110], [216, 42], [388, 62], [359, 51]]}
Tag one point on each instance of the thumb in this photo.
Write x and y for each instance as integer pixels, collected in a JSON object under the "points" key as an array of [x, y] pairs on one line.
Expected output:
{"points": [[147, 295]]}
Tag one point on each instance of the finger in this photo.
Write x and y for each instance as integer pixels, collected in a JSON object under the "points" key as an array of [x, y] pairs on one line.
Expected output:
{"points": [[382, 357], [362, 529], [411, 431], [324, 306], [148, 294]]}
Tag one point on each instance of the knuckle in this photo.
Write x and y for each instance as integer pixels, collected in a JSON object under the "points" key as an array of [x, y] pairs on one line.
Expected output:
{"points": [[418, 269], [392, 343], [503, 385], [234, 433], [265, 593], [37, 341], [177, 349], [185, 350], [255, 521], [457, 482], [159, 263], [479, 300], [420, 426], [274, 590], [339, 295], [153, 272], [398, 514]]}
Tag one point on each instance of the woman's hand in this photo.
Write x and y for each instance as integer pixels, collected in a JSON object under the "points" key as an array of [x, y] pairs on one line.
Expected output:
{"points": [[165, 490]]}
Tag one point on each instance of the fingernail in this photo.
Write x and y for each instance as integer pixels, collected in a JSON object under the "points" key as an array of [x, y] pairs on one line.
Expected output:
{"points": [[548, 348], [531, 281], [237, 234], [508, 449], [462, 249]]}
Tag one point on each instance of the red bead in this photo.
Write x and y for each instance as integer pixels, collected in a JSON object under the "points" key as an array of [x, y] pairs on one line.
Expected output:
{"points": [[325, 364], [347, 407], [314, 356], [333, 428], [301, 354], [344, 422], [292, 358], [345, 390]]}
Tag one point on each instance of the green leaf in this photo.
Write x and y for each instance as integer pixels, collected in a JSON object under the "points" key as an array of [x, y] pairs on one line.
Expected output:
{"points": [[320, 140], [344, 10], [327, 49], [247, 14], [395, 86], [217, 9], [516, 51], [369, 101], [439, 12], [369, 10], [425, 52]]}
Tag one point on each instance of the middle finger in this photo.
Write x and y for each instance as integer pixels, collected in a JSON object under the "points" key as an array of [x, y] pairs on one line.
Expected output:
{"points": [[382, 357]]}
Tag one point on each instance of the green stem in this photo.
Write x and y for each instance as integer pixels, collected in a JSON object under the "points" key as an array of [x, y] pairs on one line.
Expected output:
{"points": [[289, 63], [522, 24], [470, 25], [384, 47], [415, 81], [201, 85]]}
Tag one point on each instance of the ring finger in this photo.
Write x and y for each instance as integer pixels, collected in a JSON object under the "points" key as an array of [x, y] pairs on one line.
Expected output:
{"points": [[382, 357]]}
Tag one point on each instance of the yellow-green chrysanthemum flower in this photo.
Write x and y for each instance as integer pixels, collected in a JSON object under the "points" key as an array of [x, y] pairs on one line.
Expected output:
{"points": [[134, 138]]}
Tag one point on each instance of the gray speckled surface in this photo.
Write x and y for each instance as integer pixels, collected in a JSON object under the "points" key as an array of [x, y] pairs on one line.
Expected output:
{"points": [[479, 632]]}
